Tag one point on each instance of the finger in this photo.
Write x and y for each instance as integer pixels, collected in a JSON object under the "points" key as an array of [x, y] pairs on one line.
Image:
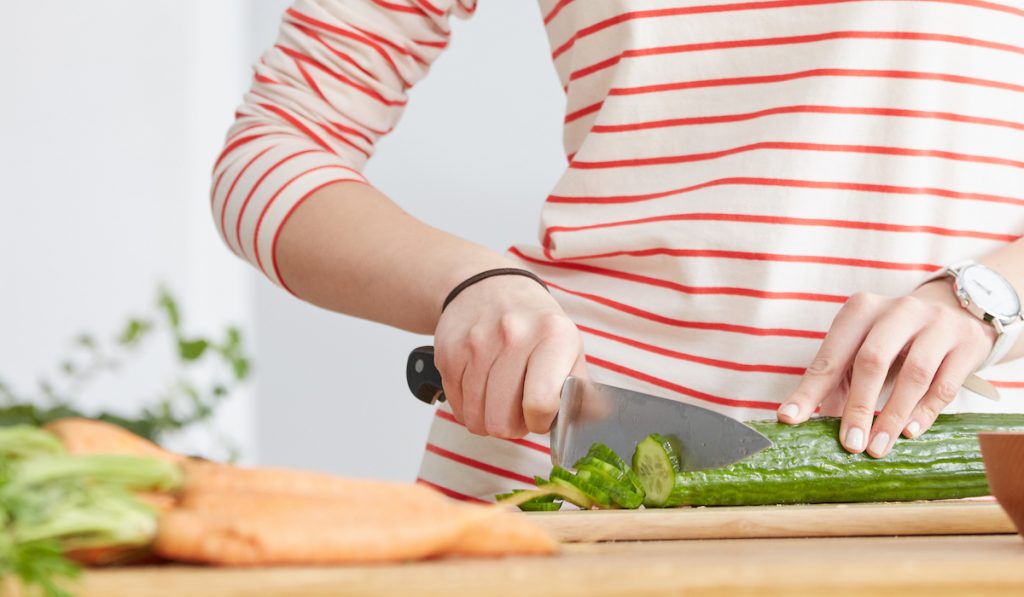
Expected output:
{"points": [[826, 372], [451, 364], [503, 412], [483, 352], [915, 376], [553, 359], [959, 363], [883, 344], [834, 403]]}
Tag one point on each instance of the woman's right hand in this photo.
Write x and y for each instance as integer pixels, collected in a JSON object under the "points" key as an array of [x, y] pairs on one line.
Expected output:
{"points": [[503, 348]]}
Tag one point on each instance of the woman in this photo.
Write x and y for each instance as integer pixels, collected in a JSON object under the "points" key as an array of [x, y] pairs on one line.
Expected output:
{"points": [[757, 195]]}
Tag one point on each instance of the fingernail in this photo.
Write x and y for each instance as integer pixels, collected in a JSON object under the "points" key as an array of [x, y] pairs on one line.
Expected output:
{"points": [[790, 410], [855, 439], [914, 428], [879, 444]]}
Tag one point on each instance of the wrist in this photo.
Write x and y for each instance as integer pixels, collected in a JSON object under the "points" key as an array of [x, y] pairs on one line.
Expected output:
{"points": [[941, 292], [464, 268], [500, 294], [503, 290]]}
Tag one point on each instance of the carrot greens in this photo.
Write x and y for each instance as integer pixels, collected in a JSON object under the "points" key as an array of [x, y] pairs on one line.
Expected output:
{"points": [[52, 502]]}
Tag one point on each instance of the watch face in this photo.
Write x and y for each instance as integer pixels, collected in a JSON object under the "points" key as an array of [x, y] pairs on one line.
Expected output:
{"points": [[990, 291]]}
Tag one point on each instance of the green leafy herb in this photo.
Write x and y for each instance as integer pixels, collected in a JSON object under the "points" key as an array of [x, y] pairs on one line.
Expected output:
{"points": [[191, 350], [185, 401], [41, 564], [52, 502]]}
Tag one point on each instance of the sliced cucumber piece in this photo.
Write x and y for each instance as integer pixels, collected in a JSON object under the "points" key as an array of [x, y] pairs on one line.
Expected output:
{"points": [[638, 487], [656, 462], [615, 474], [501, 497], [673, 449], [551, 491], [597, 495], [605, 454], [570, 493], [621, 494], [618, 484], [540, 506]]}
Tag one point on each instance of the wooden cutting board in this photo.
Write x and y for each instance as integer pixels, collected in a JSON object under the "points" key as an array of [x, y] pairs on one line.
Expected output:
{"points": [[820, 520], [835, 566]]}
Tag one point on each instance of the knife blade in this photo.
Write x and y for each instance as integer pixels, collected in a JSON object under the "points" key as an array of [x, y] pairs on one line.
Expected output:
{"points": [[591, 412]]}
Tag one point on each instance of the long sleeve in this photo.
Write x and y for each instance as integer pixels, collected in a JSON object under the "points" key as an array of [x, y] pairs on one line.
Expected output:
{"points": [[335, 82]]}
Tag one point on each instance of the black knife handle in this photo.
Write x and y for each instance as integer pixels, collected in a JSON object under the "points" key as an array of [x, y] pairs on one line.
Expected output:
{"points": [[423, 377]]}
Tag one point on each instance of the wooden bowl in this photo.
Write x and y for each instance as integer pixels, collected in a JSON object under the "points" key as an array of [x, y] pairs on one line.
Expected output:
{"points": [[1003, 453]]}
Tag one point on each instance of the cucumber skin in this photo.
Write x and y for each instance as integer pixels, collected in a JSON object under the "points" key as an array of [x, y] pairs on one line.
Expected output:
{"points": [[808, 465], [552, 506]]}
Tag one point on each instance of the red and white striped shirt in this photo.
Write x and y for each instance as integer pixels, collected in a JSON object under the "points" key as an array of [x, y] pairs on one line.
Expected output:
{"points": [[736, 170]]}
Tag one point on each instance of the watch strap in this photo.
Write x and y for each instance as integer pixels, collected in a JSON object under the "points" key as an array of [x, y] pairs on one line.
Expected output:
{"points": [[1004, 342], [950, 271]]}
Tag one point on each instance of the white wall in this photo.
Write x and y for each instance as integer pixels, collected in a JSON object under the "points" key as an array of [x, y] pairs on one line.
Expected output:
{"points": [[111, 113], [476, 153]]}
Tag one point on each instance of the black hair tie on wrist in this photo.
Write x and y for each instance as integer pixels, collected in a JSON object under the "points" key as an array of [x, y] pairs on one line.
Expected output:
{"points": [[504, 271]]}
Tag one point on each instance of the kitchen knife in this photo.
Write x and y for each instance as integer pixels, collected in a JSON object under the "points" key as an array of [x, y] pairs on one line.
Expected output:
{"points": [[592, 412]]}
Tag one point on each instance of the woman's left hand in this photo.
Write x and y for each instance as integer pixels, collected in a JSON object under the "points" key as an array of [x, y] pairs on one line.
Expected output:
{"points": [[940, 342]]}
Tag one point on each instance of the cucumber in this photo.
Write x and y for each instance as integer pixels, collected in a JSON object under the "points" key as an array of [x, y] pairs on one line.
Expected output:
{"points": [[613, 480], [656, 462], [570, 493], [501, 497], [807, 464], [618, 494], [614, 475], [597, 494], [540, 506], [605, 454]]}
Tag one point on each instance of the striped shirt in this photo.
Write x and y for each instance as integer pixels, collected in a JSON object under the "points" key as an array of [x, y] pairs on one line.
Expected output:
{"points": [[736, 170]]}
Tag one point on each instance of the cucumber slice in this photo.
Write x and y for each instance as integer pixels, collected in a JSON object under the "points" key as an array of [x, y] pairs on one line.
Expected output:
{"points": [[617, 483], [540, 506], [556, 489], [621, 494], [597, 495], [638, 487], [615, 474], [501, 497], [673, 449], [570, 493], [605, 454], [656, 462]]}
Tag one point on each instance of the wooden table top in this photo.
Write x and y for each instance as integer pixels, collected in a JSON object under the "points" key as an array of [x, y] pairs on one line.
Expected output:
{"points": [[938, 565]]}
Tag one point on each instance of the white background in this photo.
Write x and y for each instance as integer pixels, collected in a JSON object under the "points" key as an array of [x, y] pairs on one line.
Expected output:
{"points": [[111, 113]]}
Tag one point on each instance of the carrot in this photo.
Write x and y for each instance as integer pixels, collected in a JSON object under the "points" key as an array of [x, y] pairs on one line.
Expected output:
{"points": [[213, 476], [249, 516], [507, 534], [110, 556], [161, 502], [285, 528], [267, 528], [89, 436]]}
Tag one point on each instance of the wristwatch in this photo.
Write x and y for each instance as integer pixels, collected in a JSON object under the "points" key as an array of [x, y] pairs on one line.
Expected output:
{"points": [[991, 298]]}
